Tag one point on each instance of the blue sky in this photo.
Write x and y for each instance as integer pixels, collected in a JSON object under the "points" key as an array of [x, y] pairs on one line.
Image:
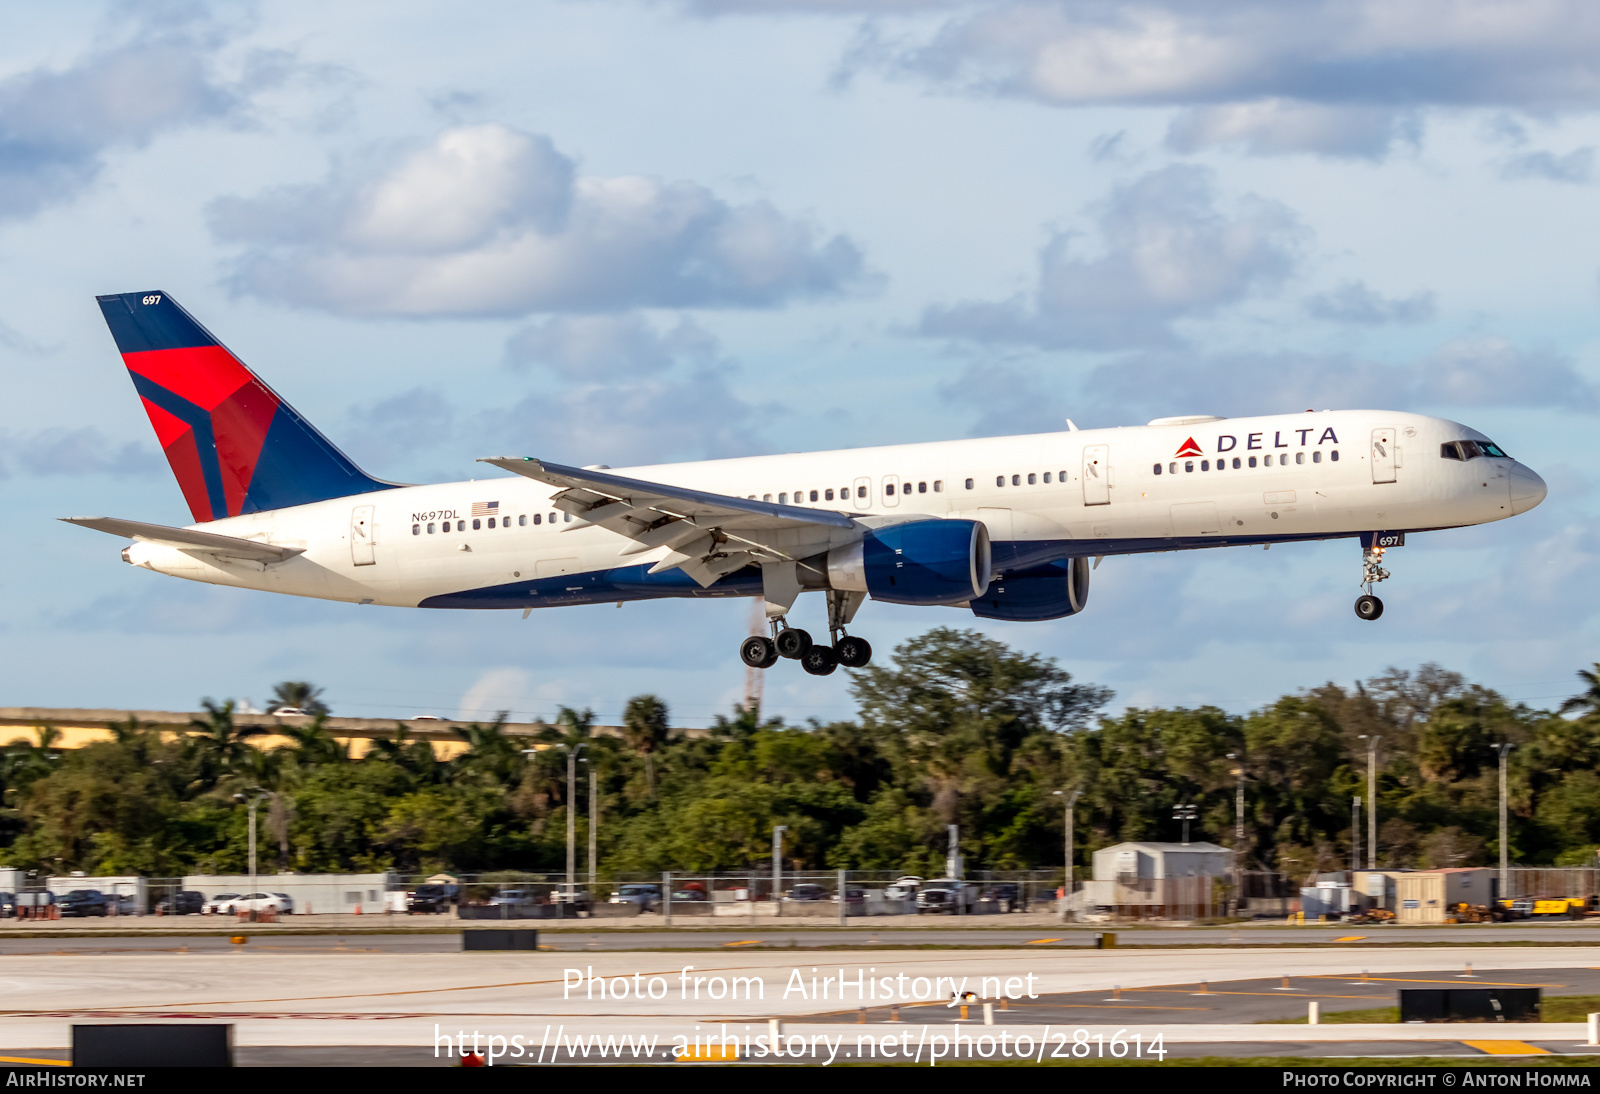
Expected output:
{"points": [[626, 232]]}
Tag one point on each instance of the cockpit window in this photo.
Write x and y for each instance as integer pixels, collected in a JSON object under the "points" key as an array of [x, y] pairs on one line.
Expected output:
{"points": [[1471, 450], [1449, 451], [1492, 449]]}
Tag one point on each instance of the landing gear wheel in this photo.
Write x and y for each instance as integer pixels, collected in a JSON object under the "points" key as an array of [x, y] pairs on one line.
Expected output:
{"points": [[1369, 606], [853, 652], [758, 652], [819, 661], [793, 642]]}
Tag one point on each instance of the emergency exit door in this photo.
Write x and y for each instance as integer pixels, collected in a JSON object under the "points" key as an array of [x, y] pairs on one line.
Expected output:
{"points": [[1383, 455], [361, 536], [1097, 474]]}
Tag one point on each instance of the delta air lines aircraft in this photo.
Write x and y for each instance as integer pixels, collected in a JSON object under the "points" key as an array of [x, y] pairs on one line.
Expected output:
{"points": [[1003, 526]]}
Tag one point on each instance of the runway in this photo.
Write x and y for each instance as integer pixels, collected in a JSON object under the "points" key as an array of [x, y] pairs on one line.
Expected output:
{"points": [[328, 1001]]}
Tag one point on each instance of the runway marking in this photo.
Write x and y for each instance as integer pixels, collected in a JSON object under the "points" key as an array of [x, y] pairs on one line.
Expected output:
{"points": [[1042, 941], [1507, 1048], [1351, 938], [34, 1060], [1405, 980], [746, 942]]}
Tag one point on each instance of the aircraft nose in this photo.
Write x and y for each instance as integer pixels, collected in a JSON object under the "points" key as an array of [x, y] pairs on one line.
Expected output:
{"points": [[1527, 489]]}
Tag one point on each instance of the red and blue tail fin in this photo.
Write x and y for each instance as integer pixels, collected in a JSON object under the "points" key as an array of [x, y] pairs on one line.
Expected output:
{"points": [[234, 444]]}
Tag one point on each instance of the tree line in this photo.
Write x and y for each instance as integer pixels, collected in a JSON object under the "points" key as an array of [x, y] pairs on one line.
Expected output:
{"points": [[956, 729]]}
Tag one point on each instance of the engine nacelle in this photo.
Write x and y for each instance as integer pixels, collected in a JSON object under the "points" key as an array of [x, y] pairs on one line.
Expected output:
{"points": [[919, 562], [1045, 592]]}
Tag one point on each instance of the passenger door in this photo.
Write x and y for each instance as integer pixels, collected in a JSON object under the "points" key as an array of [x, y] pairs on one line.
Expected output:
{"points": [[1383, 461], [361, 536], [1097, 474]]}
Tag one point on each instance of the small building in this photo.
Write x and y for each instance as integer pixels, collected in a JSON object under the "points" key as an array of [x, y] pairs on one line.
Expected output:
{"points": [[313, 894], [1170, 880], [1425, 896]]}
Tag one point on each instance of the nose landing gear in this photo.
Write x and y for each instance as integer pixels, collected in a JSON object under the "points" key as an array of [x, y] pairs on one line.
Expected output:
{"points": [[1372, 572]]}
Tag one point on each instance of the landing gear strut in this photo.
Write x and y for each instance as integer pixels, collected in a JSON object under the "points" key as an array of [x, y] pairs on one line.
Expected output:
{"points": [[1372, 572], [761, 652]]}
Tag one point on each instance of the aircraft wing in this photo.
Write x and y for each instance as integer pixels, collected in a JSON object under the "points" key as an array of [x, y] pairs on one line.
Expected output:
{"points": [[188, 539], [710, 535]]}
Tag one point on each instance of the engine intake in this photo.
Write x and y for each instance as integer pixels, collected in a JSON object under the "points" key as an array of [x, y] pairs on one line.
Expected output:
{"points": [[1048, 592], [919, 562]]}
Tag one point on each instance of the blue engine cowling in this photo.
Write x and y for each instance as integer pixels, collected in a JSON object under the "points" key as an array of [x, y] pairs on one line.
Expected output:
{"points": [[1044, 592], [918, 562]]}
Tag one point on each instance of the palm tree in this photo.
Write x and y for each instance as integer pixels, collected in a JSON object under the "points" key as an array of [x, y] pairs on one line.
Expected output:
{"points": [[644, 727], [218, 744], [1589, 700], [490, 754], [312, 745], [299, 694], [409, 755]]}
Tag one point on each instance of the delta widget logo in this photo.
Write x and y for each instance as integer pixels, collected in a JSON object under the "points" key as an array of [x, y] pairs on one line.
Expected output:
{"points": [[1189, 448]]}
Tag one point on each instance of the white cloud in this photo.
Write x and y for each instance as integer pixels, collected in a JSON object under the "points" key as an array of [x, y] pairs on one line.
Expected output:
{"points": [[1169, 253], [1354, 303], [76, 451], [607, 347], [1576, 166], [1335, 77], [490, 221], [495, 691], [58, 124]]}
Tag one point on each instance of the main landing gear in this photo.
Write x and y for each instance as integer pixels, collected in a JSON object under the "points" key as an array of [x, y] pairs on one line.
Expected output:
{"points": [[760, 652], [1372, 572]]}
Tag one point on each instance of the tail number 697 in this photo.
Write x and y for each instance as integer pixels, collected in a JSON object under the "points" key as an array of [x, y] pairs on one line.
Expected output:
{"points": [[155, 299]]}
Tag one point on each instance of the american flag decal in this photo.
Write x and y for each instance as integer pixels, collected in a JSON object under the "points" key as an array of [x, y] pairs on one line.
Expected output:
{"points": [[485, 508]]}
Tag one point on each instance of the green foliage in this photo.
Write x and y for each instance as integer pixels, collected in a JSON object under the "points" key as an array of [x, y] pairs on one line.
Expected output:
{"points": [[955, 728]]}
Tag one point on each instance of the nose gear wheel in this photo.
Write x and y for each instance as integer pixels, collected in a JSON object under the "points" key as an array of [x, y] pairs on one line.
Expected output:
{"points": [[1368, 606]]}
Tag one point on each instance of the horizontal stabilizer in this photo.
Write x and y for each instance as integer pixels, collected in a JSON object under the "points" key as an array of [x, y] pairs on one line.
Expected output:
{"points": [[188, 539]]}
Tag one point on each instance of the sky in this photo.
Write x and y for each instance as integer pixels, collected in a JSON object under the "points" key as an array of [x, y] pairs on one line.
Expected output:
{"points": [[626, 232]]}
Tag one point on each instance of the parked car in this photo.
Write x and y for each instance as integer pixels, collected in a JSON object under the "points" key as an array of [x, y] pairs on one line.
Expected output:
{"points": [[853, 896], [221, 904], [516, 896], [807, 891], [648, 897], [282, 903], [280, 712], [426, 718], [689, 895], [903, 888], [1007, 894], [84, 902], [432, 898], [579, 900], [945, 895], [187, 902]]}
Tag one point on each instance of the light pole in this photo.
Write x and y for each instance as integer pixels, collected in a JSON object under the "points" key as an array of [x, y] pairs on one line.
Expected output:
{"points": [[572, 816], [777, 866], [1185, 813], [594, 823], [1372, 798], [1071, 803], [1238, 832], [1355, 837], [254, 800], [1505, 851]]}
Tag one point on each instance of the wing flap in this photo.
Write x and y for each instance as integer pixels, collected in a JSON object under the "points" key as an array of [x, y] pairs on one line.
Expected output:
{"points": [[188, 539]]}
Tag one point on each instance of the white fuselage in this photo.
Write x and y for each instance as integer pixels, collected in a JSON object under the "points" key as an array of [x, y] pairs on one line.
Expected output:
{"points": [[1042, 496]]}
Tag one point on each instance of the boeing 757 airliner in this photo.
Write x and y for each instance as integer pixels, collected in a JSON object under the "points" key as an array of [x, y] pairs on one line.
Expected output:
{"points": [[1004, 526]]}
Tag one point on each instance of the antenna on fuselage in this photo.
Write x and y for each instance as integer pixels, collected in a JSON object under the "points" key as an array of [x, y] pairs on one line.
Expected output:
{"points": [[1072, 426]]}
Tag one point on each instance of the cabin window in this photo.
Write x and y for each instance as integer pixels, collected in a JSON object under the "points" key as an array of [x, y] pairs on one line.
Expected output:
{"points": [[922, 488], [813, 495], [1047, 476], [969, 484], [1033, 479], [1334, 456], [766, 497], [1158, 469], [1316, 457], [827, 495], [1172, 468], [522, 520], [783, 499], [444, 526], [1205, 465], [461, 526], [999, 480], [477, 525], [1016, 480], [1252, 461], [1236, 463], [1299, 457], [416, 529], [1188, 466], [938, 486], [430, 529], [861, 491], [564, 516]]}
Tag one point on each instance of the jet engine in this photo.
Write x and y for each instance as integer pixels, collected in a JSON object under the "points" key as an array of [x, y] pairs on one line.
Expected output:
{"points": [[918, 562], [1045, 592]]}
